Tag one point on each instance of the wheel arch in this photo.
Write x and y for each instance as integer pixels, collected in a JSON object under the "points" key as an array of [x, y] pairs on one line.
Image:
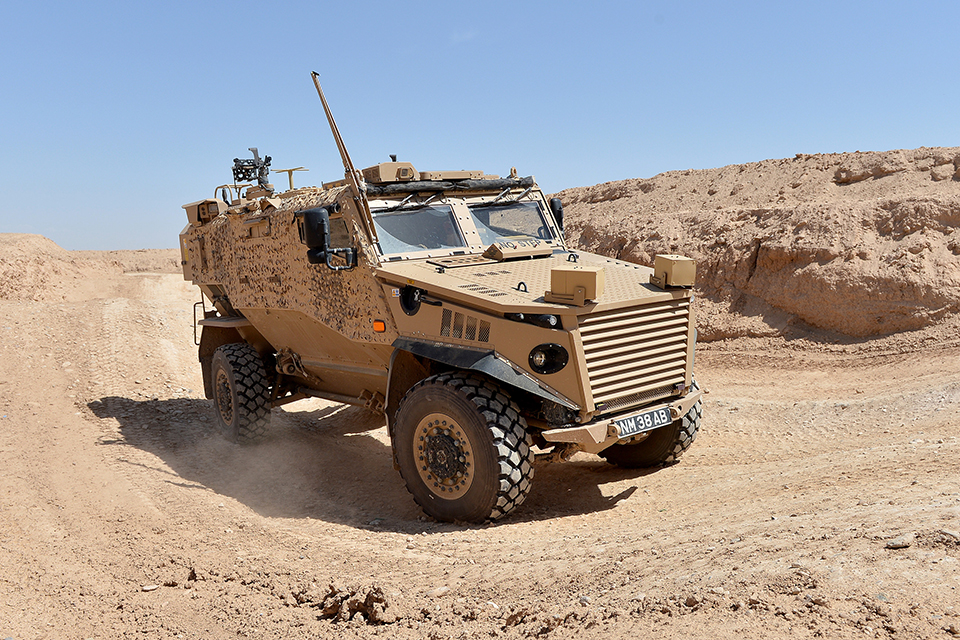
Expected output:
{"points": [[414, 360], [213, 336], [211, 339], [406, 370]]}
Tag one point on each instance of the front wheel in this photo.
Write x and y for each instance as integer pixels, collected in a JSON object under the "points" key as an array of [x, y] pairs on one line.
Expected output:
{"points": [[241, 393], [463, 449], [663, 446]]}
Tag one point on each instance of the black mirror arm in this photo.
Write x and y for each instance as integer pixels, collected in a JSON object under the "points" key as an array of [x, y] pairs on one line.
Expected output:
{"points": [[349, 254]]}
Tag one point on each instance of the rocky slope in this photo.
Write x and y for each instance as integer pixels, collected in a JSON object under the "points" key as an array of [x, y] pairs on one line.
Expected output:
{"points": [[859, 244]]}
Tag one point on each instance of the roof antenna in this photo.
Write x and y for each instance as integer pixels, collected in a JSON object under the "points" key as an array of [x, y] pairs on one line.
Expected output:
{"points": [[354, 177], [289, 173]]}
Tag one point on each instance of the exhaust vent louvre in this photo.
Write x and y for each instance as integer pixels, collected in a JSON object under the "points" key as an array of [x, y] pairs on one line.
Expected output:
{"points": [[445, 323], [484, 334], [454, 324]]}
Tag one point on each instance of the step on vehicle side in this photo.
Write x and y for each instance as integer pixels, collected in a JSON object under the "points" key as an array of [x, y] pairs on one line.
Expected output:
{"points": [[449, 301]]}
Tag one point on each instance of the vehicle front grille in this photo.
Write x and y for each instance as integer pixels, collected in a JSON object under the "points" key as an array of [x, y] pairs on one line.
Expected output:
{"points": [[636, 355]]}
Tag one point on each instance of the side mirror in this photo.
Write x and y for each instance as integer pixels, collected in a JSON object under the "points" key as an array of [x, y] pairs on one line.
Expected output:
{"points": [[316, 231], [557, 208], [316, 235]]}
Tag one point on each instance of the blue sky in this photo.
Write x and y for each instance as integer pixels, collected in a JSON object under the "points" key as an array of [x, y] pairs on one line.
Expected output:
{"points": [[114, 114]]}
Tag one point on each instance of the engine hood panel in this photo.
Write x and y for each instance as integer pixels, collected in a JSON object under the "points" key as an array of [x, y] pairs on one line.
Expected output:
{"points": [[520, 285]]}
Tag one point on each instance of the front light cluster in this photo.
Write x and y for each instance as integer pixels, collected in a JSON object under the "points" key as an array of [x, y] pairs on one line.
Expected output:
{"points": [[548, 358], [545, 320]]}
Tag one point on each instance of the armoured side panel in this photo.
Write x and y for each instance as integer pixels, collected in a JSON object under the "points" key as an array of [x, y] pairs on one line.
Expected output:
{"points": [[326, 317], [473, 328]]}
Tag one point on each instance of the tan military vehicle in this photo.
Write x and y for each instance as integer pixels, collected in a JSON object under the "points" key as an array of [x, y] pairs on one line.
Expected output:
{"points": [[449, 301]]}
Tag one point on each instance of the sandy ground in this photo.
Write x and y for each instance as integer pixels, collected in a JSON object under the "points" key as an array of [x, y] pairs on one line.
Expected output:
{"points": [[820, 500]]}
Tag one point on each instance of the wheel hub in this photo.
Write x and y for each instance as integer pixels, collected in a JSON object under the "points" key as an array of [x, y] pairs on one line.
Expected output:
{"points": [[444, 456], [224, 399]]}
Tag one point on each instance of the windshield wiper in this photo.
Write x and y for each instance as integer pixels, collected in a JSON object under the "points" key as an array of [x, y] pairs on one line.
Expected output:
{"points": [[496, 201], [403, 206]]}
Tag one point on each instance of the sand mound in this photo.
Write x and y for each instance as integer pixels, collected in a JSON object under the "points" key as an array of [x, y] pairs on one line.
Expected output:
{"points": [[862, 244], [139, 260], [35, 268]]}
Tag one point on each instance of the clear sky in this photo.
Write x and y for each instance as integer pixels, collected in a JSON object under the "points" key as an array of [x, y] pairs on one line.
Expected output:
{"points": [[114, 114]]}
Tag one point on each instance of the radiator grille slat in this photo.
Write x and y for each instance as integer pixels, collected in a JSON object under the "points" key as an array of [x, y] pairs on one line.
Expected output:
{"points": [[614, 387], [625, 363], [663, 320], [641, 332], [670, 340], [636, 355]]}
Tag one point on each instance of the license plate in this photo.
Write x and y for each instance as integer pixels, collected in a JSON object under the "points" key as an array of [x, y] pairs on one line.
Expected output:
{"points": [[643, 422]]}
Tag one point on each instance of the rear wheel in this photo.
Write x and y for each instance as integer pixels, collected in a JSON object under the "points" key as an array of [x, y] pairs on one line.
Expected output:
{"points": [[241, 393], [663, 446], [463, 449]]}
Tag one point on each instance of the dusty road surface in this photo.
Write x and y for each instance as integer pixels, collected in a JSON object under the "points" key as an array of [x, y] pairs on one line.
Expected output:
{"points": [[822, 498]]}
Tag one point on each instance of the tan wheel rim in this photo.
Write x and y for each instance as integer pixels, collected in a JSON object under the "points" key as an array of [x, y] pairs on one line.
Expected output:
{"points": [[444, 456]]}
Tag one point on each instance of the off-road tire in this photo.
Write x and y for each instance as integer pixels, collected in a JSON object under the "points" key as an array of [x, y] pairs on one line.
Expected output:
{"points": [[455, 433], [663, 446], [241, 393]]}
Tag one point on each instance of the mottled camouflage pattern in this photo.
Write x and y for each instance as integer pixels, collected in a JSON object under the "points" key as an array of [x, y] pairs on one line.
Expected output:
{"points": [[325, 320], [449, 301]]}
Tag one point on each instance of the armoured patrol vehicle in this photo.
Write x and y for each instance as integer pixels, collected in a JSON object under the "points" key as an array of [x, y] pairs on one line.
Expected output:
{"points": [[448, 301]]}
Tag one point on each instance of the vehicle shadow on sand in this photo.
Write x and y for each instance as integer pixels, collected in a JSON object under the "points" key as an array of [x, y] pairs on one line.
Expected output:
{"points": [[332, 464]]}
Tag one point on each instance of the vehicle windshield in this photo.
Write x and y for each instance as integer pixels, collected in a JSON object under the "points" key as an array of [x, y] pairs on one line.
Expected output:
{"points": [[499, 223], [417, 229]]}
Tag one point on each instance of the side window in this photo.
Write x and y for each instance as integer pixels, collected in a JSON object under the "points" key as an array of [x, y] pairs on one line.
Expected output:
{"points": [[339, 233]]}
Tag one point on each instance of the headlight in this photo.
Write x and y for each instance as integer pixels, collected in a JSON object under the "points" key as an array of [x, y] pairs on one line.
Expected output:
{"points": [[544, 320], [548, 358]]}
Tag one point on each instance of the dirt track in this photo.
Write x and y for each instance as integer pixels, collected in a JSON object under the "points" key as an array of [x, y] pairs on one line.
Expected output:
{"points": [[125, 515]]}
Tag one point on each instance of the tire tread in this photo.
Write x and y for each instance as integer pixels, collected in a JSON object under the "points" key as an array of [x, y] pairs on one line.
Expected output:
{"points": [[511, 439], [252, 391]]}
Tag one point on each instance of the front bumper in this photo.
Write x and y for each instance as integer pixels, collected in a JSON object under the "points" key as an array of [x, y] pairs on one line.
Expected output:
{"points": [[600, 434]]}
